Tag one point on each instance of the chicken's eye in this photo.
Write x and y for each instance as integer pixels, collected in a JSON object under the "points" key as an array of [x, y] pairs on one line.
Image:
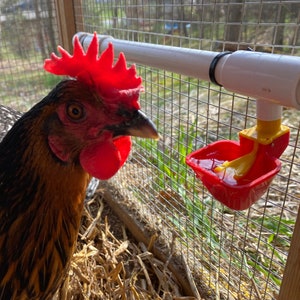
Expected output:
{"points": [[75, 112]]}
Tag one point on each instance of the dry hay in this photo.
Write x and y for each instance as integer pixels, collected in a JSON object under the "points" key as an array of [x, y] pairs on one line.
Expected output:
{"points": [[109, 264]]}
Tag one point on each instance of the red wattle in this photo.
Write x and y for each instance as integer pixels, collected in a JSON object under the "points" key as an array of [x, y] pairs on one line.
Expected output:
{"points": [[104, 159]]}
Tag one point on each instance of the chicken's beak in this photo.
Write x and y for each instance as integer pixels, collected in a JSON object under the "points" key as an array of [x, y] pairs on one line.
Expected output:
{"points": [[142, 126], [138, 125]]}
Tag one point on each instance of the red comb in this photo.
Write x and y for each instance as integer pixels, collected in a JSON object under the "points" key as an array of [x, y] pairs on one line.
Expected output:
{"points": [[112, 81]]}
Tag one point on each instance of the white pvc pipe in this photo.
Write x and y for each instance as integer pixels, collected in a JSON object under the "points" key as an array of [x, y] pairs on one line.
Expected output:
{"points": [[260, 75], [271, 77], [193, 63], [268, 111]]}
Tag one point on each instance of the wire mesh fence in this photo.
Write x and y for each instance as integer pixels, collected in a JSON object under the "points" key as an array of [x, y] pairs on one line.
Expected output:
{"points": [[241, 254], [235, 254], [29, 33]]}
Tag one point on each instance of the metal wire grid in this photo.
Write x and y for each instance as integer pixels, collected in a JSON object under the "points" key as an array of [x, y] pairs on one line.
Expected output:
{"points": [[29, 33], [263, 25], [240, 254], [221, 239]]}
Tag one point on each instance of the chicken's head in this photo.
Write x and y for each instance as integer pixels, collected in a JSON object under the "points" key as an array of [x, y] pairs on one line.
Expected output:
{"points": [[98, 109]]}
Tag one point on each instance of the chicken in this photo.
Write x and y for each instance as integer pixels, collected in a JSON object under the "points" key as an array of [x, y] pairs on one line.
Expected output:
{"points": [[9, 116], [81, 129]]}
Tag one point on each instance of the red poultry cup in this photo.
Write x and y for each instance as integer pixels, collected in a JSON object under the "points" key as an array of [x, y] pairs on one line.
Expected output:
{"points": [[238, 192]]}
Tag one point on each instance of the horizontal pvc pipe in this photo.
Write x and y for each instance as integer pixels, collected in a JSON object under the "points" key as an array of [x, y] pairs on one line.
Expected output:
{"points": [[260, 75], [265, 76], [189, 62]]}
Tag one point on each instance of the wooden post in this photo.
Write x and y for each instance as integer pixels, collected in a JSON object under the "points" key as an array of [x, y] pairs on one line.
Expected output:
{"points": [[66, 22], [290, 287]]}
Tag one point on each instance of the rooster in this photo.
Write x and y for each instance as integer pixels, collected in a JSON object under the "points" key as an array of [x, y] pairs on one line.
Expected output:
{"points": [[81, 129], [9, 116]]}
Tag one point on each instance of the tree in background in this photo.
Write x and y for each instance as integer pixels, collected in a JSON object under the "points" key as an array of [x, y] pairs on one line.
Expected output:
{"points": [[33, 21]]}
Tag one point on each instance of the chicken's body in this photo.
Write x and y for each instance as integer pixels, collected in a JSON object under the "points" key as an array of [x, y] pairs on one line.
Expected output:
{"points": [[46, 159], [41, 202], [9, 116]]}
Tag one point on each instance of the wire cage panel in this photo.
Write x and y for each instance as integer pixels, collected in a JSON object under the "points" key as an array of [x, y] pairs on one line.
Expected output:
{"points": [[241, 254], [29, 32], [235, 254]]}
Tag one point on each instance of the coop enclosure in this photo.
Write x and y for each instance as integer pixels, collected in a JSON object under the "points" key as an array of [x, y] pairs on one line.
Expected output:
{"points": [[230, 254]]}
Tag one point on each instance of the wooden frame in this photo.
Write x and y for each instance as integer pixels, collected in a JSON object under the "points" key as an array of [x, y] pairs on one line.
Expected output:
{"points": [[67, 20], [290, 286]]}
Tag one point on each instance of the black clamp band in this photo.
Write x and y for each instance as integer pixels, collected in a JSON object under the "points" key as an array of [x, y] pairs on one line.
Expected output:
{"points": [[213, 65]]}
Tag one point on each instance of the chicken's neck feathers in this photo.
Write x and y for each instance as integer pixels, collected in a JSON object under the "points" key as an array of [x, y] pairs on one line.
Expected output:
{"points": [[26, 160], [41, 201]]}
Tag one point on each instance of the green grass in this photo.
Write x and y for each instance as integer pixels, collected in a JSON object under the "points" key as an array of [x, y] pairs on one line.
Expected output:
{"points": [[50, 80], [25, 86]]}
